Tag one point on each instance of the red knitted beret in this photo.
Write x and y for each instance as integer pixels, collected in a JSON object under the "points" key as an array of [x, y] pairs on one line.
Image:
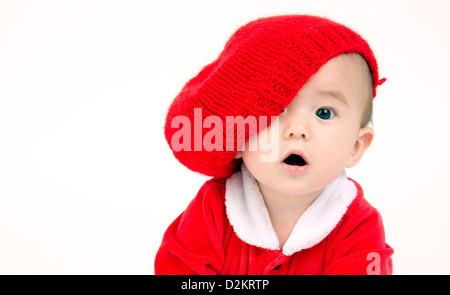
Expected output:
{"points": [[262, 67]]}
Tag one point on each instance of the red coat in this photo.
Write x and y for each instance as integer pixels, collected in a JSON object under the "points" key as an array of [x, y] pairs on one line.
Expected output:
{"points": [[203, 241]]}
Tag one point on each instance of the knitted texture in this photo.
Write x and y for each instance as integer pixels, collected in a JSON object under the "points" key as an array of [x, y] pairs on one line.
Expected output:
{"points": [[262, 67]]}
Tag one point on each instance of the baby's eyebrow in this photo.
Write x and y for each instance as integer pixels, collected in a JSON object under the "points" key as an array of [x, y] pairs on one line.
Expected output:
{"points": [[336, 94]]}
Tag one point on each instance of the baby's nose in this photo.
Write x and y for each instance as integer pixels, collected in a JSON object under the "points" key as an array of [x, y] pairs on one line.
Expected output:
{"points": [[297, 130]]}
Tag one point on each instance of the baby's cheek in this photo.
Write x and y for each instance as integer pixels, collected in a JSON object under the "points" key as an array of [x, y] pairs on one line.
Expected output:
{"points": [[334, 158]]}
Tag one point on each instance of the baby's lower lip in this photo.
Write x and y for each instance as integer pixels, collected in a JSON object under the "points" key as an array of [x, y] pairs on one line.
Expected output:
{"points": [[293, 169]]}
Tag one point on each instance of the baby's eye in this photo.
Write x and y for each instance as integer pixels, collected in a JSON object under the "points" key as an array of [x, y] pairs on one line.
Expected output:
{"points": [[325, 113]]}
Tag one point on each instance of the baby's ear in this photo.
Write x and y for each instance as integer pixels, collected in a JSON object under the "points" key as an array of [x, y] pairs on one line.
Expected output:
{"points": [[363, 142], [238, 155]]}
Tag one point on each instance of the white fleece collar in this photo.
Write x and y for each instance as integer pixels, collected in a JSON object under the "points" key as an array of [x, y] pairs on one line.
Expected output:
{"points": [[247, 213]]}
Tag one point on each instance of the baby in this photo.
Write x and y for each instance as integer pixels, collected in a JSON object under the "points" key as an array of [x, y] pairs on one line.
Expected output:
{"points": [[279, 201]]}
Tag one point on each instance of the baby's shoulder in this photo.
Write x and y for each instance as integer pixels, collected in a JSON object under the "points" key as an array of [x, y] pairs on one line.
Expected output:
{"points": [[213, 188], [360, 207], [360, 215], [211, 196]]}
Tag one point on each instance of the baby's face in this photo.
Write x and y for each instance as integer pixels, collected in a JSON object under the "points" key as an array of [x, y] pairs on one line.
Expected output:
{"points": [[319, 132]]}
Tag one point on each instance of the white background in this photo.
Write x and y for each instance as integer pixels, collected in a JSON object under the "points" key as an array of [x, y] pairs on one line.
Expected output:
{"points": [[88, 184]]}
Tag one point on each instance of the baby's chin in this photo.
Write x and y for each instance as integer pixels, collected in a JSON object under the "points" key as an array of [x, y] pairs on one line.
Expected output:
{"points": [[297, 191]]}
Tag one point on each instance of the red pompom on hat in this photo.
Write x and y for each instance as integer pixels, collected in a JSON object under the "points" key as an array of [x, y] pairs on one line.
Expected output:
{"points": [[262, 67]]}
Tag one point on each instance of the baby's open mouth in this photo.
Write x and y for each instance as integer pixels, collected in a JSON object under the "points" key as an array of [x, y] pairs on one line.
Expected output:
{"points": [[295, 160]]}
